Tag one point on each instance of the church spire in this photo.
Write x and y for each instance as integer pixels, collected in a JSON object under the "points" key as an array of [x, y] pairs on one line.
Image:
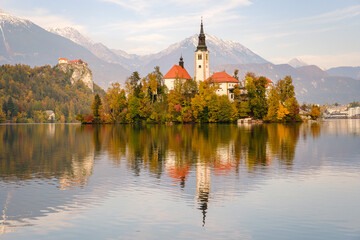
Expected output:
{"points": [[181, 62], [201, 45]]}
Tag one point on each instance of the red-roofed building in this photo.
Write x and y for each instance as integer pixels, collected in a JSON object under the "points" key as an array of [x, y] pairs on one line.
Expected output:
{"points": [[226, 83], [177, 72], [269, 85], [63, 60]]}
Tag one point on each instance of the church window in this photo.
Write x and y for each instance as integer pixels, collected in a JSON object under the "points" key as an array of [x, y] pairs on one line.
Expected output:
{"points": [[199, 66], [207, 57], [200, 57]]}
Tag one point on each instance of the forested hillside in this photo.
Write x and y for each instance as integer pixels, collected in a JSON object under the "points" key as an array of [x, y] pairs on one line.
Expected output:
{"points": [[26, 93]]}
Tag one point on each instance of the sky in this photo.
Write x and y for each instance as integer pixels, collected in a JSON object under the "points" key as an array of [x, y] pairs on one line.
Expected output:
{"points": [[321, 32]]}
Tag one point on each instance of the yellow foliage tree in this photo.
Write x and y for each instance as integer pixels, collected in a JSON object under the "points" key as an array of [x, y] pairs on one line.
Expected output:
{"points": [[282, 112]]}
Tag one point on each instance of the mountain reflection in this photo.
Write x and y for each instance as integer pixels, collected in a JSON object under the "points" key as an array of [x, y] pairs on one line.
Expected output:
{"points": [[67, 155]]}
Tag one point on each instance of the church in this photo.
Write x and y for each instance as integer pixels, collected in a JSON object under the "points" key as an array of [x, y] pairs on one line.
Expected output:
{"points": [[202, 71]]}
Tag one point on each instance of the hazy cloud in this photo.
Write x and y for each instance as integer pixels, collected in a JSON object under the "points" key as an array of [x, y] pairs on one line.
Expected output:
{"points": [[45, 19]]}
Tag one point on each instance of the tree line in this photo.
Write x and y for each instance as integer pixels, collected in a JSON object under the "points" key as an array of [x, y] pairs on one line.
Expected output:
{"points": [[26, 93], [148, 100]]}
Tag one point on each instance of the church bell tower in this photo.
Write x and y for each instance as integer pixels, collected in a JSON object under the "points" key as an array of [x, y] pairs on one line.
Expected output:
{"points": [[202, 68]]}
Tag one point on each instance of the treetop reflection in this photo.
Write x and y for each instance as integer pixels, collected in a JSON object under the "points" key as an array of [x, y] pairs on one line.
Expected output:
{"points": [[68, 152]]}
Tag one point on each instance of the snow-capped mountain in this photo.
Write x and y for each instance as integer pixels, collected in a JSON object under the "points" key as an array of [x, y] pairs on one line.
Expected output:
{"points": [[98, 49], [296, 62], [22, 41], [221, 52], [72, 34], [9, 19]]}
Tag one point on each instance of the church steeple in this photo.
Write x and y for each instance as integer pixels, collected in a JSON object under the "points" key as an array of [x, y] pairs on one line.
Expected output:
{"points": [[201, 45], [202, 67], [181, 62]]}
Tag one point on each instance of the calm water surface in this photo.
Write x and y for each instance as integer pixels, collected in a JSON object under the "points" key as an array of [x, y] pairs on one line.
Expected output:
{"points": [[270, 181]]}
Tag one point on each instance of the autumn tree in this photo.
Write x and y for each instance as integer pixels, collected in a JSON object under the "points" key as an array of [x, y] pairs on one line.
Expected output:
{"points": [[273, 103], [96, 108], [256, 95], [315, 112], [286, 92], [200, 102], [2, 116], [115, 103]]}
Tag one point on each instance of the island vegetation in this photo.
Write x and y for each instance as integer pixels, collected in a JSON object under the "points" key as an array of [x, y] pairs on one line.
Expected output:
{"points": [[27, 93], [148, 100]]}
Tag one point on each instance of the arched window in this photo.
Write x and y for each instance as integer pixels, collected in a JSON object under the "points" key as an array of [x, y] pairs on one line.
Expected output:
{"points": [[200, 56]]}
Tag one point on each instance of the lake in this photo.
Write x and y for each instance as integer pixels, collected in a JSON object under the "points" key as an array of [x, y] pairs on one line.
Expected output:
{"points": [[270, 181]]}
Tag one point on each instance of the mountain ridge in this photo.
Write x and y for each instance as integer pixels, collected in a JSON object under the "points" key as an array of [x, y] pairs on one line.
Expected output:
{"points": [[22, 41], [108, 65]]}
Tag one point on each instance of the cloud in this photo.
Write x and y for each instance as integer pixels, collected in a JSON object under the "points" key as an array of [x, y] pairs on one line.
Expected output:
{"points": [[45, 19], [332, 16], [187, 14], [134, 5]]}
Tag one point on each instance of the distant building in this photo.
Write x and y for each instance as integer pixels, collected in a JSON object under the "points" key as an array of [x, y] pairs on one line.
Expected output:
{"points": [[51, 115], [177, 72], [226, 84], [269, 85], [76, 61], [63, 60], [354, 112]]}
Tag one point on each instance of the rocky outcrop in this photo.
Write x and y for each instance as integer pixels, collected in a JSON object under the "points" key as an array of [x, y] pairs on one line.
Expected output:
{"points": [[80, 72]]}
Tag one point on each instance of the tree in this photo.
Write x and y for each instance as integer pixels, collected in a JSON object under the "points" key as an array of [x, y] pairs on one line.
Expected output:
{"points": [[293, 107], [96, 108], [2, 116], [236, 72], [286, 92], [273, 103], [256, 93], [175, 102], [134, 110], [281, 112], [10, 108], [115, 102], [244, 109], [354, 104], [315, 112], [225, 109], [133, 87], [285, 88]]}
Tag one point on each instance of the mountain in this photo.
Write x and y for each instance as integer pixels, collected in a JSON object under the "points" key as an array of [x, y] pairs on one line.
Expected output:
{"points": [[295, 63], [98, 49], [222, 52], [312, 85], [352, 72], [22, 41]]}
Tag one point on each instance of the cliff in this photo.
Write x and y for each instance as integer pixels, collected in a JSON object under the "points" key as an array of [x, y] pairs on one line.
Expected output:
{"points": [[80, 72]]}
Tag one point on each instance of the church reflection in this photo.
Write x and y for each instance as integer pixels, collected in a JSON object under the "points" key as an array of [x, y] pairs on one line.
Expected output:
{"points": [[193, 157]]}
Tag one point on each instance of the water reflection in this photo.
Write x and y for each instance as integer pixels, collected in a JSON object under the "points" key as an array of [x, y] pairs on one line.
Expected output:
{"points": [[196, 159]]}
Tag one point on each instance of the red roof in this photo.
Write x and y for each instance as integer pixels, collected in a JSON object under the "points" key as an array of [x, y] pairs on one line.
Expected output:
{"points": [[177, 72], [268, 82], [63, 59], [222, 77]]}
